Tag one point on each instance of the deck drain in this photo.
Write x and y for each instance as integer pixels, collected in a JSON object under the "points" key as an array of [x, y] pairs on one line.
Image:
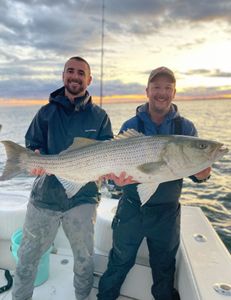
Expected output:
{"points": [[199, 237], [64, 261], [223, 288]]}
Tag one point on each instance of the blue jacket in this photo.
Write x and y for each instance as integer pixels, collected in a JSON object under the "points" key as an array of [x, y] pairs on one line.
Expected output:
{"points": [[53, 130], [167, 192], [166, 127]]}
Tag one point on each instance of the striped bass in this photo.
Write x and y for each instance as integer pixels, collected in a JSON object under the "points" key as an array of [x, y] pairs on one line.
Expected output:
{"points": [[150, 160]]}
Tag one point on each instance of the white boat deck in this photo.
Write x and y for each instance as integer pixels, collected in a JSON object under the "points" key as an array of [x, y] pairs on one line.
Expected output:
{"points": [[59, 285], [202, 261]]}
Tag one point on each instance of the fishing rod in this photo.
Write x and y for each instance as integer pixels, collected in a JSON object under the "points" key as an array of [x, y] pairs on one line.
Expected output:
{"points": [[102, 54]]}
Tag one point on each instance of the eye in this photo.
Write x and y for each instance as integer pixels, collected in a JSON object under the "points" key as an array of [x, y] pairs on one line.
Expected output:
{"points": [[203, 146]]}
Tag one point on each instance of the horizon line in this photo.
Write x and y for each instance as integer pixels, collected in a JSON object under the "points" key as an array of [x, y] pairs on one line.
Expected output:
{"points": [[130, 98]]}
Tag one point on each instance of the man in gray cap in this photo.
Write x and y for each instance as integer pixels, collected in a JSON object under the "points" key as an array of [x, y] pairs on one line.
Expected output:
{"points": [[158, 220]]}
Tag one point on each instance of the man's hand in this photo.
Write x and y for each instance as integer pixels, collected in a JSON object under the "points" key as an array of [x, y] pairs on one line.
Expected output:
{"points": [[204, 174], [122, 180], [38, 171]]}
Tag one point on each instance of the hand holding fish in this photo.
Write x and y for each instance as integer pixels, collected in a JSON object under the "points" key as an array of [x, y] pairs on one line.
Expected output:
{"points": [[204, 174], [120, 180], [38, 171]]}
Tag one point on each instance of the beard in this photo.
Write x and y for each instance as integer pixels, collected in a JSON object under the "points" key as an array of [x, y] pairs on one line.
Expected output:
{"points": [[161, 106], [74, 90]]}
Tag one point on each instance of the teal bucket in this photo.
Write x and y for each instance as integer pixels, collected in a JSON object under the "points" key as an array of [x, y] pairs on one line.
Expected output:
{"points": [[43, 267]]}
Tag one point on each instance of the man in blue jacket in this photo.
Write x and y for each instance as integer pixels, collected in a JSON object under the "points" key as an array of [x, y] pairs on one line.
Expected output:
{"points": [[159, 219], [70, 113]]}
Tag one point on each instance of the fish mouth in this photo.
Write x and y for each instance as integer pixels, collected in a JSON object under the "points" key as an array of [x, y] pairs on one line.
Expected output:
{"points": [[220, 151]]}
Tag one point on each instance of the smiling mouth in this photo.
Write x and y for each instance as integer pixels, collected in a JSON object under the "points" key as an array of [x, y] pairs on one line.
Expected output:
{"points": [[161, 99]]}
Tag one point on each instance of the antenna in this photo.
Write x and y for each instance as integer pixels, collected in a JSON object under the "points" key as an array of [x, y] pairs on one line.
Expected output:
{"points": [[102, 55]]}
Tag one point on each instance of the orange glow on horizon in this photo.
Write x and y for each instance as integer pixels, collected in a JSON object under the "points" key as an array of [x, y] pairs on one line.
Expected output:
{"points": [[96, 99], [21, 102], [110, 99]]}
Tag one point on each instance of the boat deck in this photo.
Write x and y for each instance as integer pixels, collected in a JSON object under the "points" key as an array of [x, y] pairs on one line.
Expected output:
{"points": [[59, 285], [202, 262]]}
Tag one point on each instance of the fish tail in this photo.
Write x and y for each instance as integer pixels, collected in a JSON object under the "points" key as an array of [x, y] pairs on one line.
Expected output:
{"points": [[13, 165]]}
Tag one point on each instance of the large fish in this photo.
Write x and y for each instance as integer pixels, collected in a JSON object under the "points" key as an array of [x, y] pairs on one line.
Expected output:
{"points": [[149, 159]]}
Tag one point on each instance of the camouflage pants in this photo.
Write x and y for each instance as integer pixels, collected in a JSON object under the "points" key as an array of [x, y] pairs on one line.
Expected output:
{"points": [[40, 228]]}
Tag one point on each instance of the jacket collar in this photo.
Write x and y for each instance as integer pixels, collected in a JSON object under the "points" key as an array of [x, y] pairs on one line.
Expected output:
{"points": [[143, 114], [80, 103]]}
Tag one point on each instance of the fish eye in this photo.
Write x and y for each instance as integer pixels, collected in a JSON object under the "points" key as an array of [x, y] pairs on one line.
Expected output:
{"points": [[203, 146]]}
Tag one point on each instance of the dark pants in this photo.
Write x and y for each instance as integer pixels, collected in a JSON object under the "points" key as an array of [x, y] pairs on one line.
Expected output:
{"points": [[160, 224]]}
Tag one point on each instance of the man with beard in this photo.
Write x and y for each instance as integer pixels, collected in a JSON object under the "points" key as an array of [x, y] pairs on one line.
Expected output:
{"points": [[158, 220], [70, 113]]}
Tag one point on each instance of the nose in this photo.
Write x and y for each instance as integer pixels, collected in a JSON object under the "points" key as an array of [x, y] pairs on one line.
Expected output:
{"points": [[162, 93], [75, 74]]}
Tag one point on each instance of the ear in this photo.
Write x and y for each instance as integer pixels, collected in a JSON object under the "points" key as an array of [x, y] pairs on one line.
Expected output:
{"points": [[89, 80], [147, 91], [174, 93]]}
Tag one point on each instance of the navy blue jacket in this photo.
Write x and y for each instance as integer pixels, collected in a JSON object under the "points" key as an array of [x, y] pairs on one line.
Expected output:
{"points": [[167, 192], [53, 130]]}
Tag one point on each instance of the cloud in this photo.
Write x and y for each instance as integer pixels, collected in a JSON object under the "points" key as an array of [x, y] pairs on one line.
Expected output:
{"points": [[117, 87], [57, 28], [219, 73], [74, 25], [209, 73], [205, 93], [198, 10], [27, 89], [40, 89], [191, 44], [37, 36]]}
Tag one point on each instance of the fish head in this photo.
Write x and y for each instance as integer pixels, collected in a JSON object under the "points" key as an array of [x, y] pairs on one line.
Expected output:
{"points": [[193, 154], [206, 149]]}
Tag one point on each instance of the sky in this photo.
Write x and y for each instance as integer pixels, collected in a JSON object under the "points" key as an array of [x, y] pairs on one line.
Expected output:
{"points": [[191, 37]]}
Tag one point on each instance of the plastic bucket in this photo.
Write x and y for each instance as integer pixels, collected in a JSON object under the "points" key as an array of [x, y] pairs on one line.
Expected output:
{"points": [[43, 267]]}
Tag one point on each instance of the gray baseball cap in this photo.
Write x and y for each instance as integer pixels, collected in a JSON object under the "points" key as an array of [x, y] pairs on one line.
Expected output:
{"points": [[159, 71]]}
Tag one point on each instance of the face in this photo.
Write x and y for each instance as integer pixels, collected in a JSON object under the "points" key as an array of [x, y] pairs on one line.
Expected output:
{"points": [[160, 92], [76, 78]]}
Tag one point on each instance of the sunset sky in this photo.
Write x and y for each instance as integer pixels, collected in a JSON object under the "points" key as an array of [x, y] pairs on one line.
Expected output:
{"points": [[192, 37]]}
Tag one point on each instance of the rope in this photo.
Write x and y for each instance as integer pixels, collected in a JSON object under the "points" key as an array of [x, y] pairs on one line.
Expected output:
{"points": [[9, 279]]}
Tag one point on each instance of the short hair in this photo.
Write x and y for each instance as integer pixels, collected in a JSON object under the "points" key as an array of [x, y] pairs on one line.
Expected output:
{"points": [[78, 58]]}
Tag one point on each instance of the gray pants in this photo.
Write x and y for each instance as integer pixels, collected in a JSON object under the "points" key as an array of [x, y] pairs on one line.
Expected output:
{"points": [[39, 231]]}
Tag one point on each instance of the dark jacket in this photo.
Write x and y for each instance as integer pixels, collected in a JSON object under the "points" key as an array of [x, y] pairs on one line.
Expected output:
{"points": [[167, 192], [53, 130]]}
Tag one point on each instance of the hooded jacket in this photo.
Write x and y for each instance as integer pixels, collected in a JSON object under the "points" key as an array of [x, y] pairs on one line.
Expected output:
{"points": [[53, 130], [166, 127], [167, 192]]}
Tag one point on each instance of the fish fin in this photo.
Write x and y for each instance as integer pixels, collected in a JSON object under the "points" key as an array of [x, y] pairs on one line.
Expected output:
{"points": [[146, 190], [80, 143], [13, 165], [127, 134], [151, 168], [71, 188]]}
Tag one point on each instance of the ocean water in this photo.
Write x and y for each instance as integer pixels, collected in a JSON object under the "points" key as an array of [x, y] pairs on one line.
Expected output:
{"points": [[213, 121]]}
